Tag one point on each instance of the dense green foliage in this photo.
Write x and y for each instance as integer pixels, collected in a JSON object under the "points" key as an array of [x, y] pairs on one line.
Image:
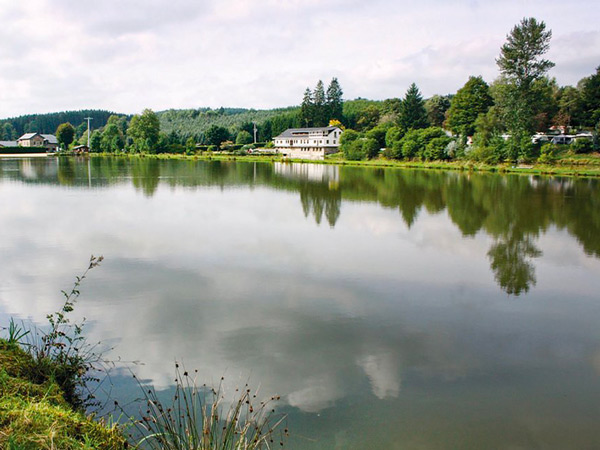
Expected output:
{"points": [[65, 133], [471, 100]]}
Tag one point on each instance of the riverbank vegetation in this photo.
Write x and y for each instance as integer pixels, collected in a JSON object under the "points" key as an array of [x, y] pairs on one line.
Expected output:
{"points": [[509, 120], [46, 378]]}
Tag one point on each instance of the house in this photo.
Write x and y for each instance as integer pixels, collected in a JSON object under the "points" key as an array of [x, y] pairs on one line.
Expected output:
{"points": [[8, 144], [46, 141], [308, 143]]}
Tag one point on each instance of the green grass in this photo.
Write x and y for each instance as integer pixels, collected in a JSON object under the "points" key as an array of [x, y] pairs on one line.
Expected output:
{"points": [[35, 415]]}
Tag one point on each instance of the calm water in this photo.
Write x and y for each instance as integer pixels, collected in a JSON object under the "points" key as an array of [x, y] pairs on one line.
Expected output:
{"points": [[388, 308]]}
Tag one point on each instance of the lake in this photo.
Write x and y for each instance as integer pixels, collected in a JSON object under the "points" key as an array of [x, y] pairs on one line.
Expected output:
{"points": [[389, 308]]}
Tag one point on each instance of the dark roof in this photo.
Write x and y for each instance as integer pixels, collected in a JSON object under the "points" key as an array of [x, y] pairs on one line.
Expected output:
{"points": [[50, 138], [295, 132]]}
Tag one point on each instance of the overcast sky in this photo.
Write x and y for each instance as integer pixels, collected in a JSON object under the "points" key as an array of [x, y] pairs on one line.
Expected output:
{"points": [[128, 55]]}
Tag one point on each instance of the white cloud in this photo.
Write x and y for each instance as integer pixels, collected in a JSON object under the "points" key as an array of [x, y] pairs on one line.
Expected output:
{"points": [[125, 56]]}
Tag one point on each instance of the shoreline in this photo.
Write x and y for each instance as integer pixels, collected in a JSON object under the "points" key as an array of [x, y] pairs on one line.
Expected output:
{"points": [[569, 168], [25, 155]]}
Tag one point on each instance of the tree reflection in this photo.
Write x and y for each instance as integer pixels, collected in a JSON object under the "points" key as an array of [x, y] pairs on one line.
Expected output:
{"points": [[514, 210], [508, 260]]}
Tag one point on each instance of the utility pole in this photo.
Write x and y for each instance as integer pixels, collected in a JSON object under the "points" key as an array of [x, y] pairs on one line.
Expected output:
{"points": [[254, 123], [88, 132]]}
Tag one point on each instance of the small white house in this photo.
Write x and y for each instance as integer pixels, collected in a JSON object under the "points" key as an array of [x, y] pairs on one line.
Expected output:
{"points": [[308, 143]]}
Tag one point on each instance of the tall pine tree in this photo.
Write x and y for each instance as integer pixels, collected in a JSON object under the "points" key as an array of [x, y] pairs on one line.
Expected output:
{"points": [[320, 118], [307, 109], [413, 114], [334, 100]]}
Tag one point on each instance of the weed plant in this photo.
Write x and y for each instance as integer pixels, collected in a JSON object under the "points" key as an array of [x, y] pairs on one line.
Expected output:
{"points": [[200, 418], [61, 352]]}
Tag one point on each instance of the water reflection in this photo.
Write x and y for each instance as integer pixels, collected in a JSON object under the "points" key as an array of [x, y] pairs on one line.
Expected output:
{"points": [[364, 297], [514, 210]]}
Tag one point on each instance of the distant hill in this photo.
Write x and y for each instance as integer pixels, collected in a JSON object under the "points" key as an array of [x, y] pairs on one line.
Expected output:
{"points": [[185, 122], [194, 122], [48, 123]]}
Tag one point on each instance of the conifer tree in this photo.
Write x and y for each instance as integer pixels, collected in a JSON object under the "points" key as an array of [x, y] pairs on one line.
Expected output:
{"points": [[320, 118], [413, 114], [307, 109], [334, 100]]}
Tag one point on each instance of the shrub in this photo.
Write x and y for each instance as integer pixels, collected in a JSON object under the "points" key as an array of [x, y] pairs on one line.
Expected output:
{"points": [[582, 145], [410, 147], [378, 133], [348, 146], [370, 148], [393, 135], [354, 151], [548, 153], [436, 148]]}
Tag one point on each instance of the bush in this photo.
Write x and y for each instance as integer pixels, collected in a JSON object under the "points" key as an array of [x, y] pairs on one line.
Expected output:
{"points": [[582, 145], [348, 146], [548, 153], [485, 154], [370, 148], [353, 151], [393, 135], [243, 137], [436, 149], [378, 133], [410, 147]]}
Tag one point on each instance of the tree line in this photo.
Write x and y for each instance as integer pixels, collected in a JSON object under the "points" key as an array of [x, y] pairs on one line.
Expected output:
{"points": [[484, 122]]}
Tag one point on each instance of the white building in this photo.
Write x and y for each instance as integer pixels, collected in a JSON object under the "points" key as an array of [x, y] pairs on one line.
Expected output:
{"points": [[308, 143]]}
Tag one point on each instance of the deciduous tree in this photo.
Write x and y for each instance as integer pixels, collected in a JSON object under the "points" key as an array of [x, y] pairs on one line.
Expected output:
{"points": [[65, 133], [471, 100], [521, 63], [144, 129]]}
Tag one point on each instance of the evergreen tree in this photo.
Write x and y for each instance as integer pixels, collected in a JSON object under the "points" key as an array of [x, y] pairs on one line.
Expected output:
{"points": [[590, 99], [412, 110], [320, 118], [334, 100], [307, 109], [8, 132], [471, 100]]}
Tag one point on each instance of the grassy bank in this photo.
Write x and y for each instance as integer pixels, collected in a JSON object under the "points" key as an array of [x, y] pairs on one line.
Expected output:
{"points": [[35, 415], [587, 165]]}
